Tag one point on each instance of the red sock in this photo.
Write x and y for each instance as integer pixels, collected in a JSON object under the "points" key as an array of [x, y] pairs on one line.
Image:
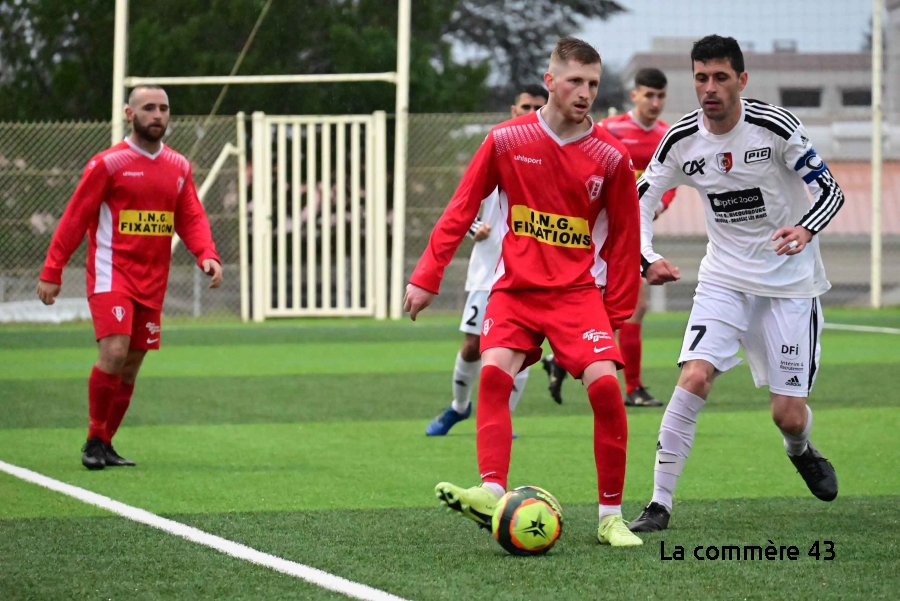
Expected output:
{"points": [[630, 346], [117, 409], [494, 423], [101, 389], [610, 438]]}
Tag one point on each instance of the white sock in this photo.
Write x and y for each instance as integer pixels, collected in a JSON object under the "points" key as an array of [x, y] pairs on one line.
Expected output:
{"points": [[496, 488], [795, 444], [606, 510], [464, 374], [676, 436], [518, 389]]}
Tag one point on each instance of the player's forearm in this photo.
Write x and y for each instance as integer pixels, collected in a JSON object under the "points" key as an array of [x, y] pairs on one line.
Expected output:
{"points": [[829, 200], [69, 233], [648, 210]]}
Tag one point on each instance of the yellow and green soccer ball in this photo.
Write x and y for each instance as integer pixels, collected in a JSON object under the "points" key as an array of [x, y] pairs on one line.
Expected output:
{"points": [[528, 521]]}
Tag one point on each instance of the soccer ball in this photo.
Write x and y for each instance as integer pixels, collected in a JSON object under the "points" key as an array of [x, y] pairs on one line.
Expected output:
{"points": [[528, 521]]}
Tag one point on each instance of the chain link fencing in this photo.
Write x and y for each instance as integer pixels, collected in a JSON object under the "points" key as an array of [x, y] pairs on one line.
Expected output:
{"points": [[441, 146], [40, 166]]}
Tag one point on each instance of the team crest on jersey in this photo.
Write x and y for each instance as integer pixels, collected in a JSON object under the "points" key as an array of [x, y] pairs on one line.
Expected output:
{"points": [[119, 312], [488, 324], [724, 161], [594, 185]]}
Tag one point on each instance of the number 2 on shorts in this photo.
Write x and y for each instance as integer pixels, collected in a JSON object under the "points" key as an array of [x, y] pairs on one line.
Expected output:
{"points": [[471, 321], [701, 330]]}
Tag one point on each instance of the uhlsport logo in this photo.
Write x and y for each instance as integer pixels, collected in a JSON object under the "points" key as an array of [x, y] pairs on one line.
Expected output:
{"points": [[594, 186], [119, 312], [724, 162], [528, 160], [488, 324]]}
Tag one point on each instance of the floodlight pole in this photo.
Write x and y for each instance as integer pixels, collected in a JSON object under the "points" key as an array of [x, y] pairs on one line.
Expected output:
{"points": [[400, 151], [120, 56]]}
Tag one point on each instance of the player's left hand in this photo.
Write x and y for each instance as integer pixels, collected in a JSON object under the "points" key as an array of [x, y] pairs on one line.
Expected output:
{"points": [[793, 240], [482, 233], [416, 299], [212, 268]]}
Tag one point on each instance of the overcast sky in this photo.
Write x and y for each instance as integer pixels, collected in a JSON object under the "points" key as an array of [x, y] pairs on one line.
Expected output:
{"points": [[816, 25]]}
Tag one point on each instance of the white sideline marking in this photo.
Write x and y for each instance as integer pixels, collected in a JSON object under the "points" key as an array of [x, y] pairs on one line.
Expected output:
{"points": [[298, 570], [853, 328]]}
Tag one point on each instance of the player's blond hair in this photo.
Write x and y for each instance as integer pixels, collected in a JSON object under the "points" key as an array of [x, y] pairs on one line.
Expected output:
{"points": [[572, 49]]}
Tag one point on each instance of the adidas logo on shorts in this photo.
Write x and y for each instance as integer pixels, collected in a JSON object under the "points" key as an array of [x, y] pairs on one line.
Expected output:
{"points": [[795, 381]]}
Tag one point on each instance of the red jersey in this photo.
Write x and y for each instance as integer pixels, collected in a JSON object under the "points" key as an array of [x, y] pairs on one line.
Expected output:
{"points": [[640, 140], [130, 203], [570, 213]]}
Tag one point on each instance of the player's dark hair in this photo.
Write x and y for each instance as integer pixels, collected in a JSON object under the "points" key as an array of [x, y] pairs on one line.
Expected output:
{"points": [[573, 49], [532, 90], [715, 47], [143, 86], [651, 78]]}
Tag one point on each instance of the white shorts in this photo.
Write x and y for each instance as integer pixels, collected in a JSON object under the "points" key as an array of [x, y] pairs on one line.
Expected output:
{"points": [[473, 314], [780, 336]]}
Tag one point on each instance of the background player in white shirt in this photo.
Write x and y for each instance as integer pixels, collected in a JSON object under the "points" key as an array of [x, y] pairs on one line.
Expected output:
{"points": [[761, 278], [480, 278]]}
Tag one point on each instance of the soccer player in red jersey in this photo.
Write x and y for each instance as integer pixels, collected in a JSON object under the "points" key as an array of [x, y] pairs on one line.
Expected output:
{"points": [[568, 271], [131, 199], [641, 131]]}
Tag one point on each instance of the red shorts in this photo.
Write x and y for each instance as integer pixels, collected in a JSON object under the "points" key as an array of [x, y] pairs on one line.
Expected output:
{"points": [[574, 321], [117, 313]]}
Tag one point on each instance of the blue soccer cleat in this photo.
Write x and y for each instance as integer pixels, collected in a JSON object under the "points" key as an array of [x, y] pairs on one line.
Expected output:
{"points": [[448, 418]]}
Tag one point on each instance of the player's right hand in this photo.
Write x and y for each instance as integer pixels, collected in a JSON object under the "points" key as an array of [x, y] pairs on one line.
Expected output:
{"points": [[660, 272], [483, 232], [47, 292], [416, 299]]}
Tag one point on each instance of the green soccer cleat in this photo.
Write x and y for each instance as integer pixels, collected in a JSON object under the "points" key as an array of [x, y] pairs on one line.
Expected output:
{"points": [[614, 532], [476, 503]]}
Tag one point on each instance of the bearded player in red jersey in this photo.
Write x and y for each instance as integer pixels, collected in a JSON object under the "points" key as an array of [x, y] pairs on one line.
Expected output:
{"points": [[131, 199], [641, 130], [568, 271]]}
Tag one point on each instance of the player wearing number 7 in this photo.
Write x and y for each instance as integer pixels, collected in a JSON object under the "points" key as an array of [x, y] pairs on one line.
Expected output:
{"points": [[130, 201], [761, 278]]}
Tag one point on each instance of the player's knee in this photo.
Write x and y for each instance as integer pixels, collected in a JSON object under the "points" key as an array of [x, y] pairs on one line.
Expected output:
{"points": [[113, 354], [789, 420], [696, 377], [471, 348]]}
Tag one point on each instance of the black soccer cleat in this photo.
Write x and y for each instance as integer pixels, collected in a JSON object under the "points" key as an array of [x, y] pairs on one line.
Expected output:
{"points": [[93, 454], [654, 518], [817, 472], [113, 459], [639, 397], [556, 374]]}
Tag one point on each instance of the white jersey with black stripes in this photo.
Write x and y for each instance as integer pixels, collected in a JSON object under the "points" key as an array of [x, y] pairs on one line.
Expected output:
{"points": [[486, 254], [752, 181]]}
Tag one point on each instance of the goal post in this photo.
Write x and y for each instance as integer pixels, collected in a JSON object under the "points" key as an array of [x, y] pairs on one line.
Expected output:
{"points": [[400, 78]]}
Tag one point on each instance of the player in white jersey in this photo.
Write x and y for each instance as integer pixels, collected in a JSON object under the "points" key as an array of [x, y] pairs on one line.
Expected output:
{"points": [[482, 264], [761, 278]]}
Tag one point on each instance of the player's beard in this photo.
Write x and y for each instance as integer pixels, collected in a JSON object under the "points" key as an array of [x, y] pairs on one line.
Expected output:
{"points": [[152, 132]]}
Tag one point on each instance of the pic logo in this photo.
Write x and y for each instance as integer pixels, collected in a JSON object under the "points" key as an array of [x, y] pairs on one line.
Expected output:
{"points": [[119, 312], [757, 155]]}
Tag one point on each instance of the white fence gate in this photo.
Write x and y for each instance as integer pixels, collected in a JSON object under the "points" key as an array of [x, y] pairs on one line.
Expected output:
{"points": [[319, 216]]}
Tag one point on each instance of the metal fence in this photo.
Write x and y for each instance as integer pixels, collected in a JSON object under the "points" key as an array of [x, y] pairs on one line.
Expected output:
{"points": [[440, 147], [40, 166]]}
